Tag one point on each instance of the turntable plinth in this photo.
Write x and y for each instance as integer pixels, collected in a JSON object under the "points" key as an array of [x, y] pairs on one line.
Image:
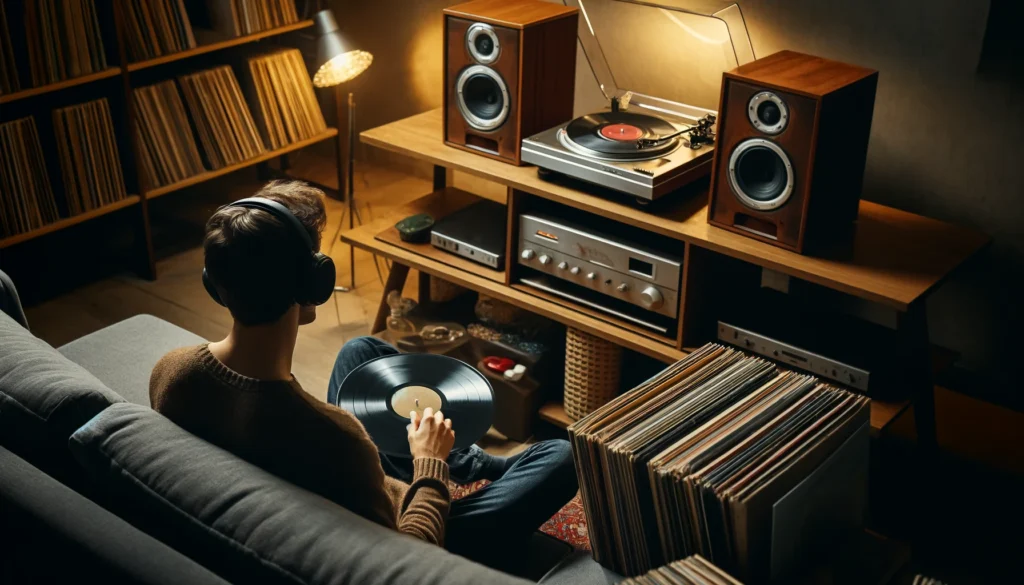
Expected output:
{"points": [[896, 259]]}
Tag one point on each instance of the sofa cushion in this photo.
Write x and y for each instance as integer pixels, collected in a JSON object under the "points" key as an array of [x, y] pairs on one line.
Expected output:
{"points": [[243, 523], [122, 355], [44, 398], [44, 521]]}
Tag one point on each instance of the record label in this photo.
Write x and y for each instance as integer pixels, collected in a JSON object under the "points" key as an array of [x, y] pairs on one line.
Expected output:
{"points": [[382, 392], [414, 398], [622, 132]]}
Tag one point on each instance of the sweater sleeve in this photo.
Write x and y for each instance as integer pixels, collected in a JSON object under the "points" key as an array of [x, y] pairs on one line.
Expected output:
{"points": [[419, 510]]}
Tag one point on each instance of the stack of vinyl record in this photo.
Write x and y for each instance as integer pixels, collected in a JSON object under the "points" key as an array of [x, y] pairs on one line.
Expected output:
{"points": [[169, 151], [8, 68], [156, 27], [225, 125], [695, 570], [706, 458], [26, 199], [63, 38], [288, 108], [89, 161], [243, 17]]}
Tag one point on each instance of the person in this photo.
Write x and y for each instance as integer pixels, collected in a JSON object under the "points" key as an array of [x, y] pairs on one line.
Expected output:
{"points": [[262, 262]]}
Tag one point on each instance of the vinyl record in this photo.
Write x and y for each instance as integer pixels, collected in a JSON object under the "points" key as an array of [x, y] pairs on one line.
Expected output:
{"points": [[615, 134], [382, 392]]}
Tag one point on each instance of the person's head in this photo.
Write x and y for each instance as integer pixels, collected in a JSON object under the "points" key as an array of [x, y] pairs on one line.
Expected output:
{"points": [[254, 259]]}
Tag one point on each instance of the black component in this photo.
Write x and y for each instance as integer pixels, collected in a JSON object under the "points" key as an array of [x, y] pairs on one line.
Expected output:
{"points": [[484, 45], [769, 113], [480, 226], [761, 173], [415, 228], [482, 96]]}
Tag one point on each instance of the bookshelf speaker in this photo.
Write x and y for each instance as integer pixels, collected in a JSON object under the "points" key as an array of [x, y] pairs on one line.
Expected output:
{"points": [[792, 142], [509, 72]]}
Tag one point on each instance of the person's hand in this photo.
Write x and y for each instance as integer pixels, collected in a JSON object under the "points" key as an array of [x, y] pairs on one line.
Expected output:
{"points": [[431, 435]]}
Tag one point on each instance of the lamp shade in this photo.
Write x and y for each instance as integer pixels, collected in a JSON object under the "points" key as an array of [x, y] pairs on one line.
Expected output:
{"points": [[338, 61]]}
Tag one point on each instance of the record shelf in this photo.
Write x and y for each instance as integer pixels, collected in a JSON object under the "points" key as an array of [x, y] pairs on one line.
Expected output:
{"points": [[113, 18], [896, 260]]}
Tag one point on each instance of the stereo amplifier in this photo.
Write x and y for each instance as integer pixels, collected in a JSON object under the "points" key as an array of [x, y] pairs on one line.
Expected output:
{"points": [[625, 273]]}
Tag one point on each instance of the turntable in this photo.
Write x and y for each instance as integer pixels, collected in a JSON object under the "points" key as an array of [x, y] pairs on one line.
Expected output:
{"points": [[646, 146]]}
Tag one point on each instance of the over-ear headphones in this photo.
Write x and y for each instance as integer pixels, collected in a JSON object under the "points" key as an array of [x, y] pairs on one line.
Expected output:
{"points": [[316, 270]]}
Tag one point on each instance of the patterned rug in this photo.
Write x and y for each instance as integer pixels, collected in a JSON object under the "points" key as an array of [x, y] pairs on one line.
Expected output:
{"points": [[568, 525]]}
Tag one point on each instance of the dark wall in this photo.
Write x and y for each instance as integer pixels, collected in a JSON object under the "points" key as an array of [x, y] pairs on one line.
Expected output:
{"points": [[946, 140]]}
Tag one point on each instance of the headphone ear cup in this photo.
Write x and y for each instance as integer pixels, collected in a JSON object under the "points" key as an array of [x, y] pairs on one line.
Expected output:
{"points": [[212, 290], [321, 280]]}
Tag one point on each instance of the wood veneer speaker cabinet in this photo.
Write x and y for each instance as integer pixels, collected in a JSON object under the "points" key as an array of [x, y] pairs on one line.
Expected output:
{"points": [[509, 72], [792, 143]]}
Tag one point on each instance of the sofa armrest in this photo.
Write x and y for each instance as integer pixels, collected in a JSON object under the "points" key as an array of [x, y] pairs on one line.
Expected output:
{"points": [[51, 534], [122, 355]]}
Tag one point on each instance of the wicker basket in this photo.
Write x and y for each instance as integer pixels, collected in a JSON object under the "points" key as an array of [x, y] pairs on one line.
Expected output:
{"points": [[592, 370], [442, 291]]}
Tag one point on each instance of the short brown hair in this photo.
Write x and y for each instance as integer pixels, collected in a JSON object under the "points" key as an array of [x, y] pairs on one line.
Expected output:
{"points": [[251, 256]]}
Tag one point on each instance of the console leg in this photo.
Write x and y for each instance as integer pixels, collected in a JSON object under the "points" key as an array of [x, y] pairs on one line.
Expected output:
{"points": [[912, 327], [396, 281], [440, 177]]}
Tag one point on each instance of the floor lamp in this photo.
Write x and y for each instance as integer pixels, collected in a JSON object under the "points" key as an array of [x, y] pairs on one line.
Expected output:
{"points": [[340, 63]]}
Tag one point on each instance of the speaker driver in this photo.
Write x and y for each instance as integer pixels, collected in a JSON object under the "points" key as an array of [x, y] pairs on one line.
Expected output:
{"points": [[482, 97], [768, 113], [760, 174], [482, 43]]}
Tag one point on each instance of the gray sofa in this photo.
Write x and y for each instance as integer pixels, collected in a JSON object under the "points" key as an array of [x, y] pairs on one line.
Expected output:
{"points": [[78, 420]]}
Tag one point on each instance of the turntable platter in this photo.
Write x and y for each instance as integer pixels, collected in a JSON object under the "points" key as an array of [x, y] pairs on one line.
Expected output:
{"points": [[614, 135]]}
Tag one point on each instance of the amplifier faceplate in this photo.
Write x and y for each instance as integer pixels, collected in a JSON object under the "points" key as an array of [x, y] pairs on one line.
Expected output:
{"points": [[622, 270]]}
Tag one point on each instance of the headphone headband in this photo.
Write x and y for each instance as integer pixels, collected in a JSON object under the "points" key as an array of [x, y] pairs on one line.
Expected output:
{"points": [[280, 212]]}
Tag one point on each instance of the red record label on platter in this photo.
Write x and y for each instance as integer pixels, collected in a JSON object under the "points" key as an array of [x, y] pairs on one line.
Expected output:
{"points": [[622, 132]]}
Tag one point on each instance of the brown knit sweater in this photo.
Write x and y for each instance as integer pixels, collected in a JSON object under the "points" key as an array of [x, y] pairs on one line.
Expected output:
{"points": [[280, 428]]}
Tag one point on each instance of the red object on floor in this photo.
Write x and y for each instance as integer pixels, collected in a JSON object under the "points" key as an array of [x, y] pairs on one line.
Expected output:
{"points": [[498, 364], [568, 524]]}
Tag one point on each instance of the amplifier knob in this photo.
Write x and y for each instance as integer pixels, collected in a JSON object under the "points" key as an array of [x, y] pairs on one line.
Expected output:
{"points": [[575, 270], [528, 254], [562, 265], [622, 287], [651, 298], [591, 276], [545, 259]]}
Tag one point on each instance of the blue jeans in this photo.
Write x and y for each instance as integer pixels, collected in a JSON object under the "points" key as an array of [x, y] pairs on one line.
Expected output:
{"points": [[489, 524]]}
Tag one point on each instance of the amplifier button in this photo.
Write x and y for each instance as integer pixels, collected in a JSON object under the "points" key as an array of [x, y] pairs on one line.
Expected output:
{"points": [[622, 287], [651, 298], [591, 276], [528, 254], [562, 265], [545, 259], [575, 270]]}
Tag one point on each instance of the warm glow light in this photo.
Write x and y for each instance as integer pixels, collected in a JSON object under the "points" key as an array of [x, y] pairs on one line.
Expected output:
{"points": [[342, 68]]}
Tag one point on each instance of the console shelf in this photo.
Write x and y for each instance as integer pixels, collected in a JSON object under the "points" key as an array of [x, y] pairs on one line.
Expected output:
{"points": [[895, 259]]}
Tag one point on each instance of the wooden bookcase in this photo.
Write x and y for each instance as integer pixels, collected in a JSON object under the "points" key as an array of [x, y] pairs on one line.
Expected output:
{"points": [[38, 101], [896, 260]]}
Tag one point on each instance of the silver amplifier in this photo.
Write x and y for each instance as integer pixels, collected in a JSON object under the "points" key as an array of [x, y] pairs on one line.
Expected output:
{"points": [[599, 262]]}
